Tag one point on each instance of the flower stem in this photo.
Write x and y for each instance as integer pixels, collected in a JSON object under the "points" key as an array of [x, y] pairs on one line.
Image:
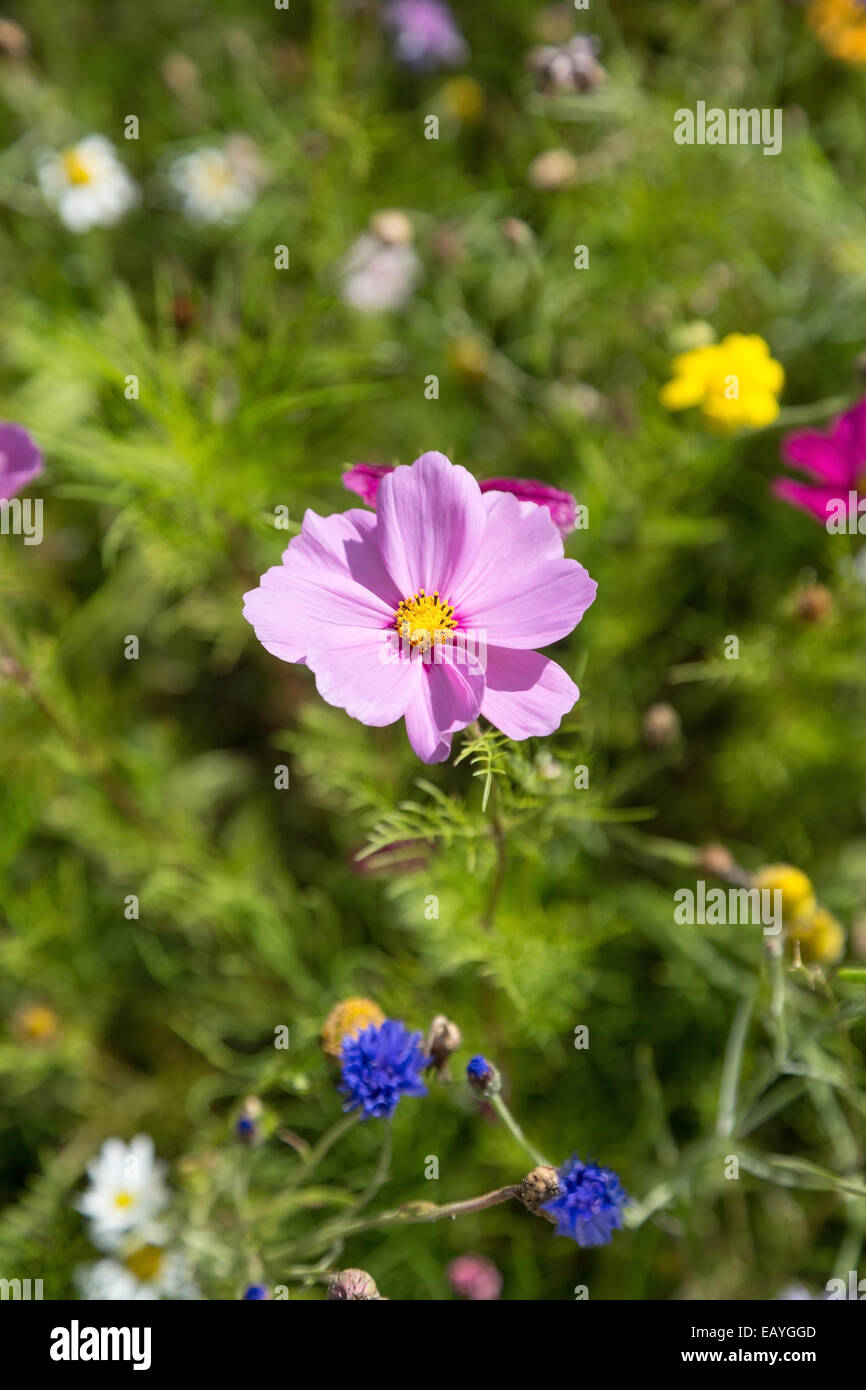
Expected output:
{"points": [[497, 831], [325, 1144], [417, 1213], [516, 1132]]}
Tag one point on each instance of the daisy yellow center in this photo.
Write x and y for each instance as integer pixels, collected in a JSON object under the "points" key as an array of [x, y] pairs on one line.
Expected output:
{"points": [[145, 1263], [216, 177], [425, 619], [75, 168], [124, 1200]]}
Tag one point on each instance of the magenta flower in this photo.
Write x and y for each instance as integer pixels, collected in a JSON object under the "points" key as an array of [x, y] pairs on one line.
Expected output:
{"points": [[430, 609], [364, 479], [836, 460], [425, 35], [20, 459]]}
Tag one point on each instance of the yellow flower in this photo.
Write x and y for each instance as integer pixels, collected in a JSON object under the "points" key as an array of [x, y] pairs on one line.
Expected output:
{"points": [[469, 358], [346, 1020], [798, 897], [463, 98], [735, 382], [841, 27], [36, 1023], [822, 940]]}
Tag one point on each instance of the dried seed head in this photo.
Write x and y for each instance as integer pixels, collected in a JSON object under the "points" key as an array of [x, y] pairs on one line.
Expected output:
{"points": [[539, 1186], [443, 1039]]}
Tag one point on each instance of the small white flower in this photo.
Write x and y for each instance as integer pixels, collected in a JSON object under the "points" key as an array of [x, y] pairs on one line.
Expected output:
{"points": [[127, 1189], [218, 185], [147, 1272], [88, 185], [378, 275]]}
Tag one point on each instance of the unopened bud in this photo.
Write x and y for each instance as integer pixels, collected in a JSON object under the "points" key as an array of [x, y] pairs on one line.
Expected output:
{"points": [[661, 726], [392, 226], [483, 1077], [552, 170], [353, 1286]]}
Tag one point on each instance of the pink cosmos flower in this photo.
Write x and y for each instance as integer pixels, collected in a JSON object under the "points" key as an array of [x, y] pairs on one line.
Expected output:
{"points": [[364, 479], [430, 609], [20, 459], [836, 460]]}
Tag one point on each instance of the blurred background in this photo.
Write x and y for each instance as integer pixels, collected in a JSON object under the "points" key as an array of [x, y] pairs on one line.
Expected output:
{"points": [[258, 384]]}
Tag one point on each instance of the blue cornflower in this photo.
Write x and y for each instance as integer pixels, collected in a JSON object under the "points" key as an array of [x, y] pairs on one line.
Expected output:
{"points": [[588, 1203], [256, 1291], [381, 1064]]}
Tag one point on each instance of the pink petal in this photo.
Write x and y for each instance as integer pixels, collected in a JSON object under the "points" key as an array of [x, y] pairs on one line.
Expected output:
{"points": [[353, 672], [814, 453], [519, 591], [20, 459], [331, 573], [849, 436], [431, 521], [364, 479], [814, 500], [527, 694], [561, 505], [448, 698]]}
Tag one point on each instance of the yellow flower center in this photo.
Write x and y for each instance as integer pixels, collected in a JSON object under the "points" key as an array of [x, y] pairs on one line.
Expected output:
{"points": [[425, 619], [124, 1200], [145, 1263], [75, 169]]}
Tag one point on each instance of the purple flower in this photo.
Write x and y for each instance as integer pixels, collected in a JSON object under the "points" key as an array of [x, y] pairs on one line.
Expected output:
{"points": [[20, 459], [364, 479], [588, 1203], [430, 609], [835, 460], [381, 1064], [475, 1277], [425, 35]]}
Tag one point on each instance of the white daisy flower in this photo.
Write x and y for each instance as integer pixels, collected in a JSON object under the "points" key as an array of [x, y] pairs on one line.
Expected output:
{"points": [[147, 1272], [218, 185], [88, 185], [127, 1189], [380, 270]]}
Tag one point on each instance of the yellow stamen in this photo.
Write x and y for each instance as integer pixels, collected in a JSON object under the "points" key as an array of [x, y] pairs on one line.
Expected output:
{"points": [[424, 619], [145, 1263], [75, 168], [124, 1199]]}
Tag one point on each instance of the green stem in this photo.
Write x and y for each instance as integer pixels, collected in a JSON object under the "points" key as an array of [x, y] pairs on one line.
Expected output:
{"points": [[325, 1144], [382, 1169], [497, 831], [516, 1132]]}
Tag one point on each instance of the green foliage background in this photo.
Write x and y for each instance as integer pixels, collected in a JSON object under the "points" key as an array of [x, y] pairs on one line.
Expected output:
{"points": [[155, 777]]}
